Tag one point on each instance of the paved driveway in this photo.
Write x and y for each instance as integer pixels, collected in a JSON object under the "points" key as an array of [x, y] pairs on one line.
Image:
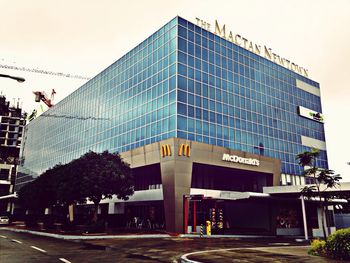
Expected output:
{"points": [[18, 247]]}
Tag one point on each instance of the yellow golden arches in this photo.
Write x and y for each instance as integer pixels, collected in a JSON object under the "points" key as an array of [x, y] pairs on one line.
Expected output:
{"points": [[185, 150], [166, 151]]}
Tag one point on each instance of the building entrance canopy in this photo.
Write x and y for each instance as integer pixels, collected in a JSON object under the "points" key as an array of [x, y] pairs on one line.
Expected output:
{"points": [[227, 195], [342, 192]]}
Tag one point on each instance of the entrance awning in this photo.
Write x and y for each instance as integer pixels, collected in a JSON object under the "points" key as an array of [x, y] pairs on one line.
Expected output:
{"points": [[343, 188], [227, 195], [294, 191]]}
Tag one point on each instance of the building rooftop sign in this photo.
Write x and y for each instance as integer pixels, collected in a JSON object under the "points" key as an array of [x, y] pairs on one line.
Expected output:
{"points": [[220, 30]]}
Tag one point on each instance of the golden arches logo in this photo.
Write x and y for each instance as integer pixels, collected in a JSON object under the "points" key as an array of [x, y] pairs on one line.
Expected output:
{"points": [[185, 150], [166, 151]]}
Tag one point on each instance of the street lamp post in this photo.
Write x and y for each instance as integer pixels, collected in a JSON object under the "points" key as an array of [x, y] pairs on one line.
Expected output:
{"points": [[19, 79]]}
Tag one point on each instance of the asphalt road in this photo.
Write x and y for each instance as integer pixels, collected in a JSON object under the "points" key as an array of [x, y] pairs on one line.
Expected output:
{"points": [[27, 248], [21, 247]]}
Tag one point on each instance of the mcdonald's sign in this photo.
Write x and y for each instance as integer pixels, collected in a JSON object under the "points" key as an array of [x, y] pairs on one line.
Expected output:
{"points": [[185, 150], [166, 151]]}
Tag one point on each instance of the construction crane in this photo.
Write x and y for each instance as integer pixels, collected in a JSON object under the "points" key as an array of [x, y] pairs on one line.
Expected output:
{"points": [[41, 96], [41, 71]]}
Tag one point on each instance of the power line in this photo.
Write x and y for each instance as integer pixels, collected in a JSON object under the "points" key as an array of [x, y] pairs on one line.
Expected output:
{"points": [[72, 117], [41, 71], [33, 115]]}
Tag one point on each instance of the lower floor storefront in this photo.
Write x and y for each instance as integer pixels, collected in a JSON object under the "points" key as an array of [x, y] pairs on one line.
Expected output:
{"points": [[219, 212], [181, 185], [224, 212], [254, 216]]}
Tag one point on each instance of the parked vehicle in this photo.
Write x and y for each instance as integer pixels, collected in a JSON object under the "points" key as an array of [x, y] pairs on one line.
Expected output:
{"points": [[4, 220]]}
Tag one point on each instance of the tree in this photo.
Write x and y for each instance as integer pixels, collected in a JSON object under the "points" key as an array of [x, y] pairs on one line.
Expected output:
{"points": [[94, 176], [324, 179], [68, 186], [28, 196], [40, 193], [99, 176]]}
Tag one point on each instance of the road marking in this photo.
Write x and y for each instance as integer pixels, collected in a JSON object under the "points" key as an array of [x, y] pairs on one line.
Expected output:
{"points": [[3, 236], [279, 244], [17, 241], [64, 260], [184, 258], [39, 249]]}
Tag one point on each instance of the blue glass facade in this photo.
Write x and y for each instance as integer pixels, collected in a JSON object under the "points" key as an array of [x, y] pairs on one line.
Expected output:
{"points": [[129, 104], [184, 82], [231, 97]]}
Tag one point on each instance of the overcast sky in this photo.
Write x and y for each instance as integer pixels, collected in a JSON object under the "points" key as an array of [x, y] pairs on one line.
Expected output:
{"points": [[83, 37]]}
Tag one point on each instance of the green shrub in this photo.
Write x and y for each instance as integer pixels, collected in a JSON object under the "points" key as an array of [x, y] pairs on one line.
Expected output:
{"points": [[338, 244], [317, 247]]}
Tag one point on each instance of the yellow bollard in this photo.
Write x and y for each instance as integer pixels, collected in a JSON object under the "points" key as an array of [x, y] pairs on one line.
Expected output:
{"points": [[208, 228]]}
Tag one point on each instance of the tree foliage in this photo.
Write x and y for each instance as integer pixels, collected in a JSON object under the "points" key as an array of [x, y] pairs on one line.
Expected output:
{"points": [[94, 176], [324, 179], [40, 193], [68, 187], [101, 176]]}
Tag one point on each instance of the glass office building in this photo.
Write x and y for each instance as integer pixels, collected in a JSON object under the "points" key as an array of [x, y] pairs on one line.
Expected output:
{"points": [[183, 82], [188, 83]]}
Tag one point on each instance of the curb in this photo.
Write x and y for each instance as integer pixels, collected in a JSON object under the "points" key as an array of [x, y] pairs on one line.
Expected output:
{"points": [[78, 237], [224, 236], [91, 237]]}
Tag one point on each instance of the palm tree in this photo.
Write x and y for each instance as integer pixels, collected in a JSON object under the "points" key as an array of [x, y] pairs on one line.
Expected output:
{"points": [[322, 177]]}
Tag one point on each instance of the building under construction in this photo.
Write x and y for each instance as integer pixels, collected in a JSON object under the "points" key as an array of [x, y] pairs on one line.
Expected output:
{"points": [[12, 121]]}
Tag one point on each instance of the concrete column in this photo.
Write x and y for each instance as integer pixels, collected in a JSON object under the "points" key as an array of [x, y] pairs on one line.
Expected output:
{"points": [[194, 218], [176, 179], [186, 206], [304, 217], [71, 213], [276, 172], [111, 208], [176, 174], [319, 219]]}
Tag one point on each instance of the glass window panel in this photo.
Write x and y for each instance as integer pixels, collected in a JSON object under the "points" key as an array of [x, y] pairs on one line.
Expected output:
{"points": [[182, 108], [182, 44], [182, 123]]}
